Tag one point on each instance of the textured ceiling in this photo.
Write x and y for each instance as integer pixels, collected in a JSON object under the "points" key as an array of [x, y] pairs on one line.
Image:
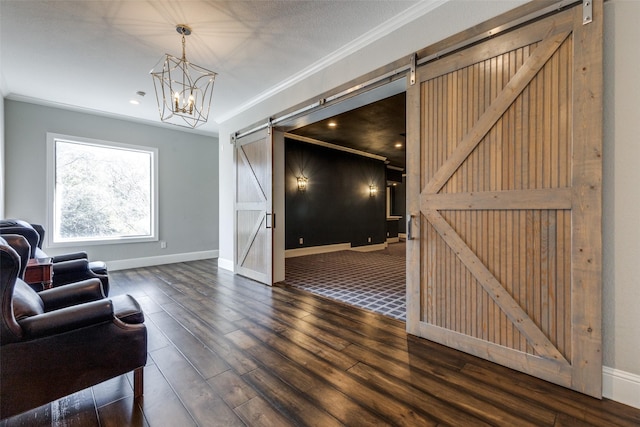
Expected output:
{"points": [[95, 55], [376, 128]]}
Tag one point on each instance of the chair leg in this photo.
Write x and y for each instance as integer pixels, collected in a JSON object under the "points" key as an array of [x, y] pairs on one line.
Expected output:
{"points": [[138, 382]]}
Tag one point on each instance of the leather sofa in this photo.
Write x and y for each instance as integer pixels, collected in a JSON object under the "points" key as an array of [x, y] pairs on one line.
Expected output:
{"points": [[67, 268], [62, 340]]}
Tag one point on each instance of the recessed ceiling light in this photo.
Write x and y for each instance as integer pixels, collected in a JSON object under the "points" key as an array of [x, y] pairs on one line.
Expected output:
{"points": [[332, 124], [140, 94], [398, 145]]}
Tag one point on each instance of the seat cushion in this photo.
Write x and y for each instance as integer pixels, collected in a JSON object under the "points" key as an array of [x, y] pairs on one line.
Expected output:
{"points": [[127, 309]]}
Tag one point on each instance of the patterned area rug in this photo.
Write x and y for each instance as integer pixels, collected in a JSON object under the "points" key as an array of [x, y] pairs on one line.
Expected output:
{"points": [[371, 280]]}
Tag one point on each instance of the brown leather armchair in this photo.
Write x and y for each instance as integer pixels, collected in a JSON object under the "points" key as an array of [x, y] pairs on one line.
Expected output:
{"points": [[67, 268], [62, 340]]}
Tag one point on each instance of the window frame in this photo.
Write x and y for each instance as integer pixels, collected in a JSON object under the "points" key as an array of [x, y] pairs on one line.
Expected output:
{"points": [[52, 138]]}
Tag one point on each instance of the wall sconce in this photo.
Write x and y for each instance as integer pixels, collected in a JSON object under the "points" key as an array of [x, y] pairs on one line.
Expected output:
{"points": [[373, 190], [302, 183]]}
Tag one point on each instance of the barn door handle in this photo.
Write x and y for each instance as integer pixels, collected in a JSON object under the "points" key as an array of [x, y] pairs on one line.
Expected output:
{"points": [[270, 220], [409, 227]]}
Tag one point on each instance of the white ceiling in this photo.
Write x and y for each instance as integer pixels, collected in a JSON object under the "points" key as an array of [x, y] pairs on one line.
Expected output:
{"points": [[96, 55]]}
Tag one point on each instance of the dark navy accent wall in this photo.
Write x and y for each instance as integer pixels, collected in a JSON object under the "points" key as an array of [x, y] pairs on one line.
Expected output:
{"points": [[336, 206]]}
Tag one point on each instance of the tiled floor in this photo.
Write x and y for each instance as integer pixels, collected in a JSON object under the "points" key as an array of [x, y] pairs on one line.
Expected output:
{"points": [[371, 280]]}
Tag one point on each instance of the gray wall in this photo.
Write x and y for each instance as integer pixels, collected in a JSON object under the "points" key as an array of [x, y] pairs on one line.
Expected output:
{"points": [[188, 177]]}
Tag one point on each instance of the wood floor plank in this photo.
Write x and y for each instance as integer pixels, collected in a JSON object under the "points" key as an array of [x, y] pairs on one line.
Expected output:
{"points": [[437, 408], [303, 383], [462, 394], [240, 362], [203, 404], [455, 378], [257, 412], [281, 318], [397, 412], [302, 338], [565, 401], [111, 390], [209, 312], [76, 410], [204, 360], [123, 412], [155, 338], [160, 404], [232, 388], [282, 398]]}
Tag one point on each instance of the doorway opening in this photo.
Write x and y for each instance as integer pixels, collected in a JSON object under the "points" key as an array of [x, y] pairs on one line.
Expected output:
{"points": [[345, 207]]}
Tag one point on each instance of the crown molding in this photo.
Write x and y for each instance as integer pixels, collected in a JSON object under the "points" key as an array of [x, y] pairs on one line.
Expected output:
{"points": [[85, 110]]}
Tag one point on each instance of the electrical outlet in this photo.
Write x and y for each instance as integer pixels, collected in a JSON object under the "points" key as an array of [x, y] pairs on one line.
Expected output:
{"points": [[369, 239], [301, 241], [163, 244]]}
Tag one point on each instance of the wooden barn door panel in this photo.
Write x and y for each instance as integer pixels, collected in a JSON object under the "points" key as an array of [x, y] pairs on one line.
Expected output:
{"points": [[254, 206], [504, 143]]}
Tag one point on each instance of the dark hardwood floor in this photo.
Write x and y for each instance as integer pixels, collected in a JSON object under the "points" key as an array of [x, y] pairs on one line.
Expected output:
{"points": [[224, 350]]}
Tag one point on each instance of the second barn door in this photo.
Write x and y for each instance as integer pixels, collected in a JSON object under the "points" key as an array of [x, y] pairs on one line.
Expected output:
{"points": [[254, 206]]}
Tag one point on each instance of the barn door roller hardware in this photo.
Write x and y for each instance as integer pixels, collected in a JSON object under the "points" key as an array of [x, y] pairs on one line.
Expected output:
{"points": [[587, 12], [412, 70]]}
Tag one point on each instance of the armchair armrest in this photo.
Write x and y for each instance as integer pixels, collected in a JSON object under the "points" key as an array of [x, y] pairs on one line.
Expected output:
{"points": [[71, 266], [67, 319], [70, 256], [72, 294]]}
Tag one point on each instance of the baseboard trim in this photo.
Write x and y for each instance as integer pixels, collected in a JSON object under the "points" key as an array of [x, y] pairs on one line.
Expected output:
{"points": [[621, 386], [313, 250], [124, 264], [370, 248], [226, 264]]}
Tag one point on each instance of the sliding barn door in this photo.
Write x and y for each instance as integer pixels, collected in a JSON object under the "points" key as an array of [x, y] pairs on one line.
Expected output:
{"points": [[504, 192], [254, 206]]}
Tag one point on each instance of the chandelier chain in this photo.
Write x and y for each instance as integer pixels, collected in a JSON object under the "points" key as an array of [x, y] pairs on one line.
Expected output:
{"points": [[184, 55]]}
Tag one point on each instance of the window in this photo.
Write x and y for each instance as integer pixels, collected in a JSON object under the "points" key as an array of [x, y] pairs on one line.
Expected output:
{"points": [[100, 192]]}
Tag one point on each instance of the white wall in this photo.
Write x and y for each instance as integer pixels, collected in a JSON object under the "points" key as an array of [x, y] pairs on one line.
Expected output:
{"points": [[188, 180], [621, 196], [621, 317]]}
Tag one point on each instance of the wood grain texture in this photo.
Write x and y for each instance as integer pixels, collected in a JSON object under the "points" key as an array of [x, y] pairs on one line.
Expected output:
{"points": [[509, 199], [235, 352]]}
